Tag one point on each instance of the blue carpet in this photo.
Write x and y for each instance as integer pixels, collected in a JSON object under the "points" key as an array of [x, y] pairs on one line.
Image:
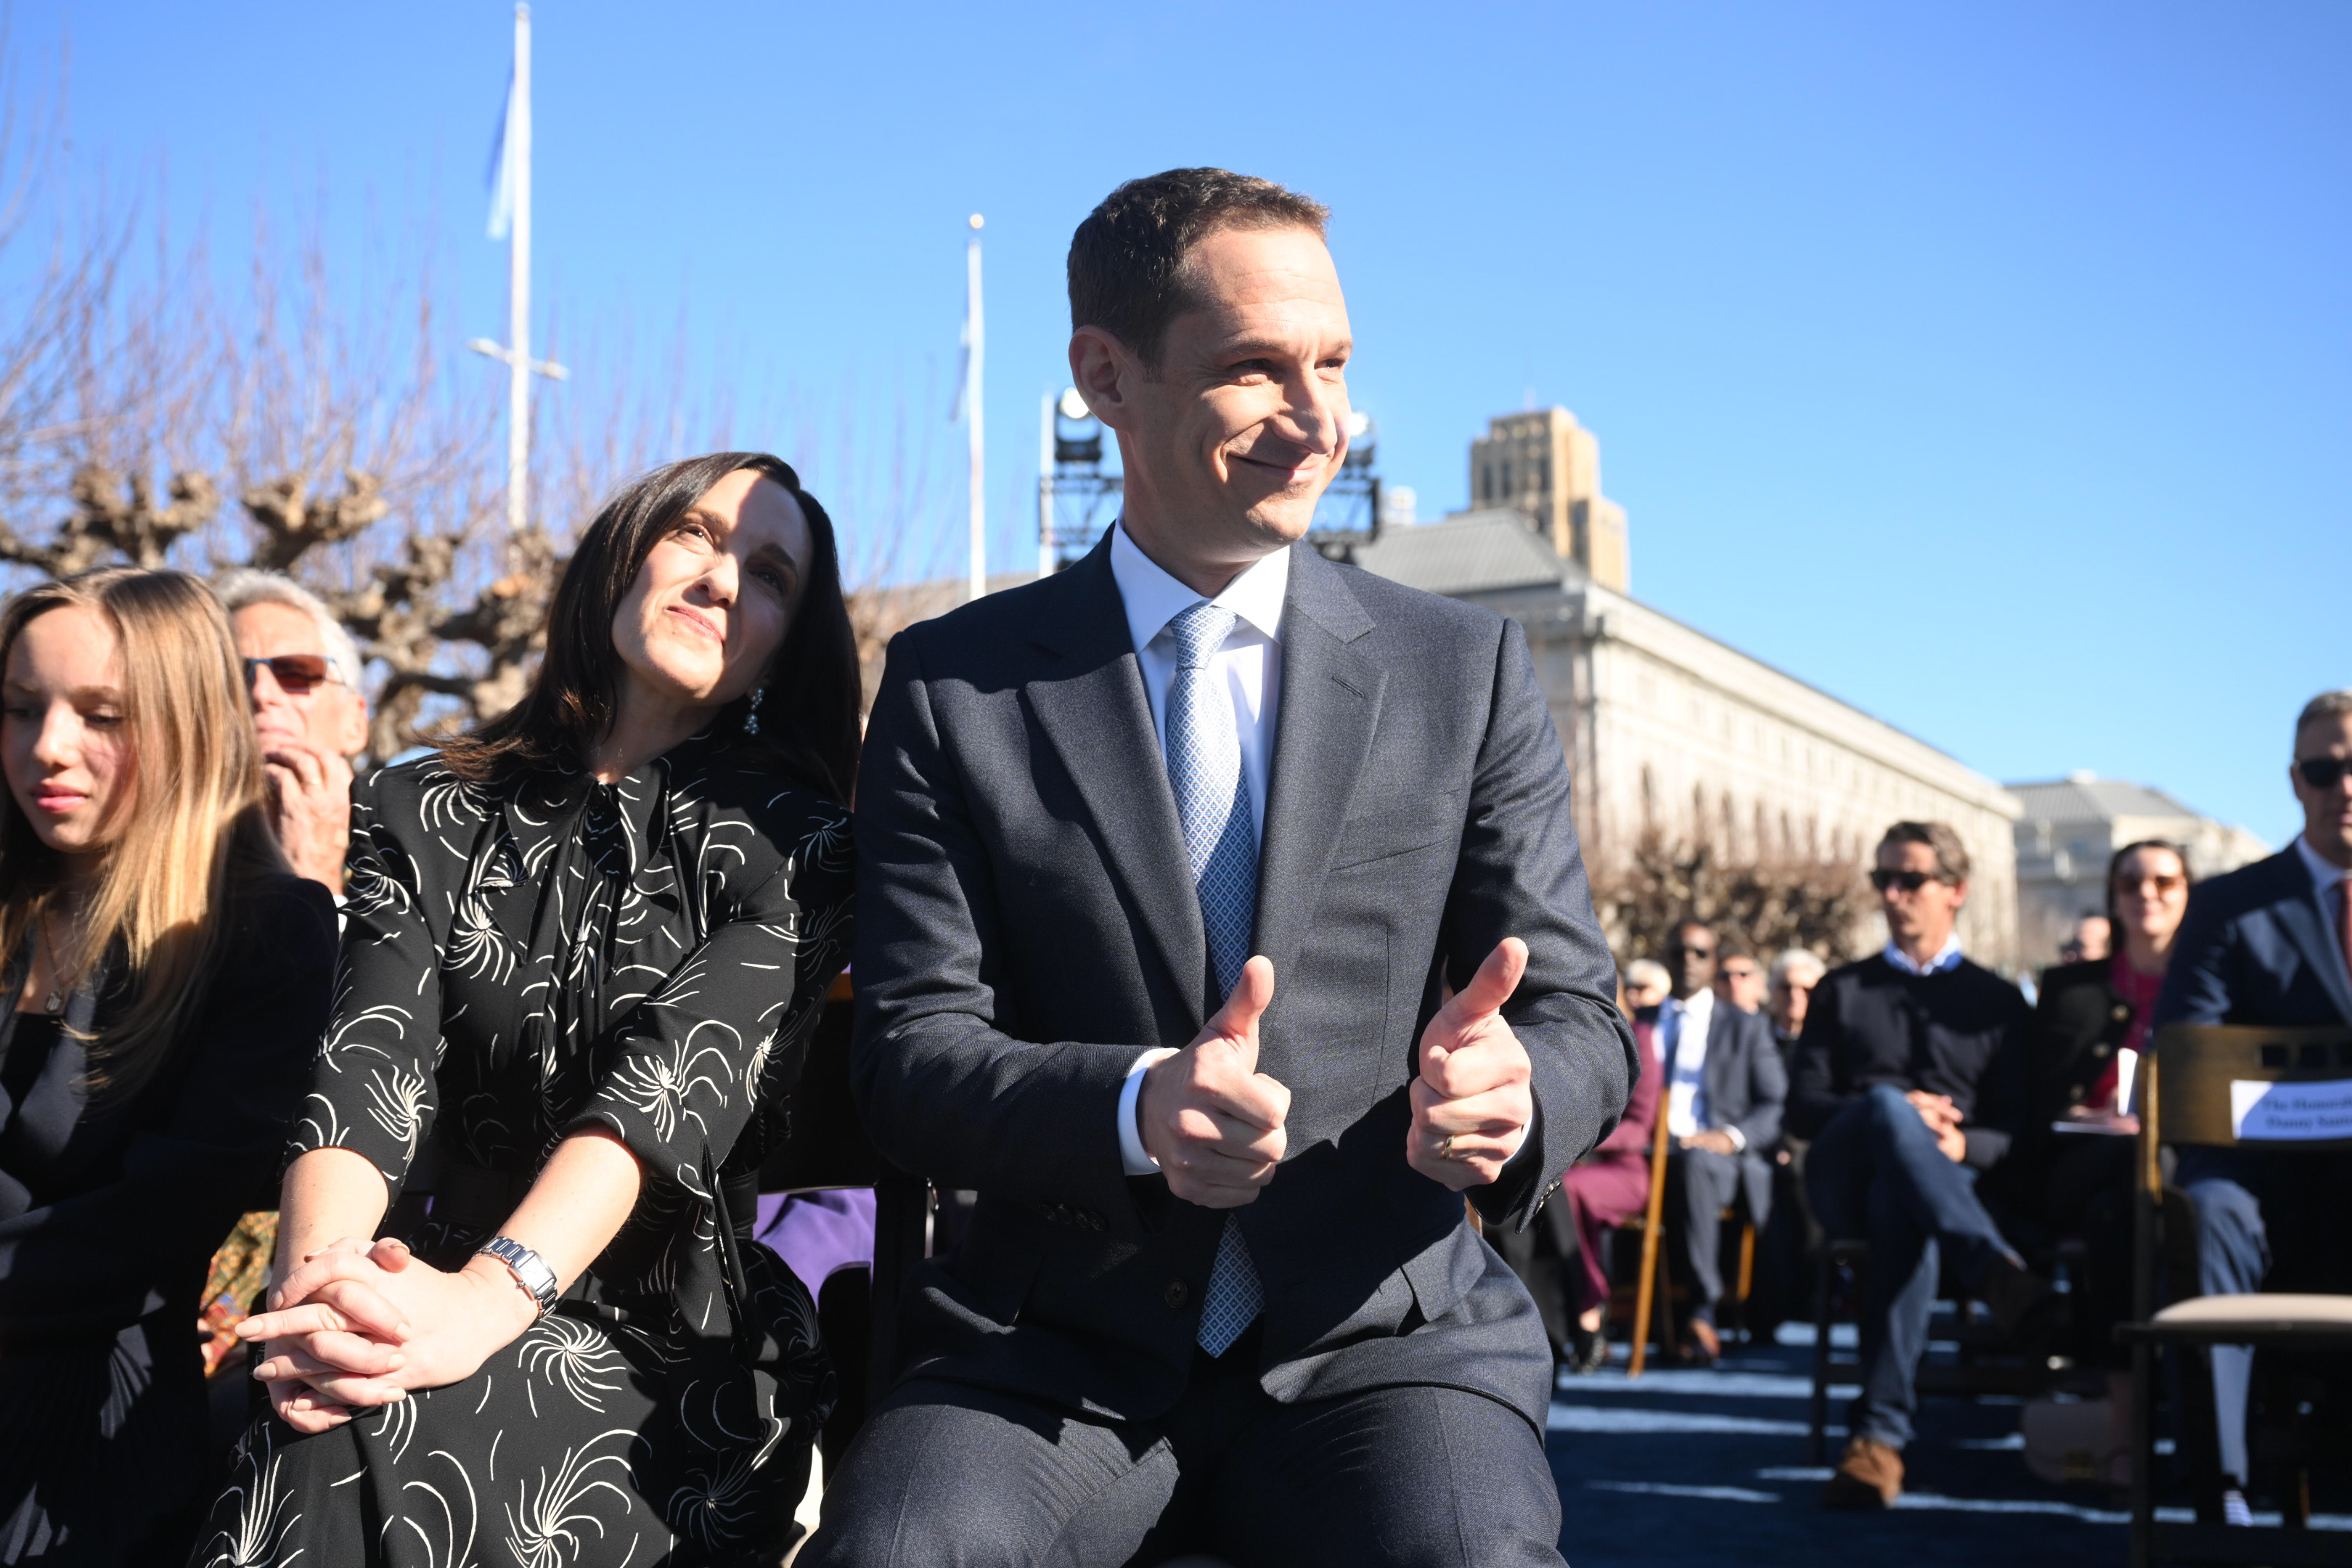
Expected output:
{"points": [[1706, 1469]]}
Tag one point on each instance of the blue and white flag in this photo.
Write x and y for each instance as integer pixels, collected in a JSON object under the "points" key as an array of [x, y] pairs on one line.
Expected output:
{"points": [[501, 172]]}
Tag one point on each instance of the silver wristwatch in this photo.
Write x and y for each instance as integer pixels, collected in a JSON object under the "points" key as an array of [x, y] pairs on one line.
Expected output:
{"points": [[529, 1270]]}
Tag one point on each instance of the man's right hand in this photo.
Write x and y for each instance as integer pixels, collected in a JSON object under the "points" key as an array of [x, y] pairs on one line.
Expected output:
{"points": [[1211, 1120], [309, 808]]}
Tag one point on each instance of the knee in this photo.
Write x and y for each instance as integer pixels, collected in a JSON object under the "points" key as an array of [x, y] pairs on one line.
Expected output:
{"points": [[1887, 1108]]}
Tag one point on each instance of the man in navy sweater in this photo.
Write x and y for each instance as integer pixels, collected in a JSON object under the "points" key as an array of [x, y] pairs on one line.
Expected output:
{"points": [[1907, 1078]]}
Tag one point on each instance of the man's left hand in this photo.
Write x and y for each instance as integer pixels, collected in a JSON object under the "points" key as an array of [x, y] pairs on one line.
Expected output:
{"points": [[1472, 1104], [1714, 1141]]}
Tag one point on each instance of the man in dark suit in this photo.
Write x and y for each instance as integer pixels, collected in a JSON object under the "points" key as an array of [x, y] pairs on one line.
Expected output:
{"points": [[1909, 1079], [1167, 865], [1725, 1085], [2270, 944]]}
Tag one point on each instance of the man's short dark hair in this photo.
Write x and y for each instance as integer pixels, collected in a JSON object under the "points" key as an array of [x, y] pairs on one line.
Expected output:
{"points": [[1127, 260], [2326, 705], [1952, 855]]}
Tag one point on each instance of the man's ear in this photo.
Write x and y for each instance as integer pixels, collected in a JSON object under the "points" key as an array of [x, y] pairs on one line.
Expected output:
{"points": [[1961, 893], [1104, 372], [355, 726]]}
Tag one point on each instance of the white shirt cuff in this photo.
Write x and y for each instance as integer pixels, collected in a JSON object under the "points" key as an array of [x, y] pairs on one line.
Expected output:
{"points": [[1739, 1140], [1131, 1153]]}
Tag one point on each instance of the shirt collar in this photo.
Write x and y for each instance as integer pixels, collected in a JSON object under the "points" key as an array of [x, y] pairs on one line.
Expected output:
{"points": [[1947, 959], [1699, 1004], [2323, 875], [1153, 598]]}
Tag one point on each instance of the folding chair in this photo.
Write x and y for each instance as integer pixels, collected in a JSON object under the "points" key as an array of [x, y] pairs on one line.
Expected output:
{"points": [[1651, 1225], [2189, 1093]]}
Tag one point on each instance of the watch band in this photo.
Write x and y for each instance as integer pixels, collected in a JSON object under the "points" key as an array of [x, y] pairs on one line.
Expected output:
{"points": [[529, 1270]]}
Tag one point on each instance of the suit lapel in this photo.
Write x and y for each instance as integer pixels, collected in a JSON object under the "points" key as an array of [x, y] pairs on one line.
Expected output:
{"points": [[2299, 912], [1330, 710], [1088, 699]]}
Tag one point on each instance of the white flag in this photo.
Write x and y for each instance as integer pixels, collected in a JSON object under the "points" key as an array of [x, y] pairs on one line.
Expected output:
{"points": [[501, 172]]}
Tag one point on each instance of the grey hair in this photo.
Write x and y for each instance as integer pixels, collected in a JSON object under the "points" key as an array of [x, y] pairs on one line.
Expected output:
{"points": [[248, 586], [1798, 960], [2326, 705], [1646, 972]]}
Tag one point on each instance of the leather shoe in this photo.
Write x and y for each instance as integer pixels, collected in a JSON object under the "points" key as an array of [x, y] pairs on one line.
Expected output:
{"points": [[1870, 1475], [1588, 1350], [1701, 1346], [2022, 1304]]}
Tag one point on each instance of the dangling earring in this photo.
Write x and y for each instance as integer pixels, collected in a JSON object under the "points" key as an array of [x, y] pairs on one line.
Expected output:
{"points": [[751, 717]]}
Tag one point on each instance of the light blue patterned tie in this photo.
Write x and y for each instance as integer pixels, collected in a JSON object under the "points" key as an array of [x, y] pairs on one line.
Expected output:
{"points": [[1204, 765]]}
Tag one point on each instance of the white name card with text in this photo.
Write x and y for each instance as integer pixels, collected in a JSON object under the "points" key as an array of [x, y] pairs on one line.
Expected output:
{"points": [[2290, 1111]]}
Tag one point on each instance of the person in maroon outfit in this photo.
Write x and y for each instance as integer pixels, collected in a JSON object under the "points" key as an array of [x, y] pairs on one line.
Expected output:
{"points": [[1562, 1257]]}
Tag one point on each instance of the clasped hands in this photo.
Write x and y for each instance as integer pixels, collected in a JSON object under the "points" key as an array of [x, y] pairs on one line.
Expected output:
{"points": [[357, 1324], [1943, 1119], [1214, 1123]]}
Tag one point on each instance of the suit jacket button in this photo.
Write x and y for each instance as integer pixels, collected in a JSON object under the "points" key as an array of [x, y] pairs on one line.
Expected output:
{"points": [[2120, 1013], [2100, 1050], [1176, 1295], [2078, 1091], [1092, 1220]]}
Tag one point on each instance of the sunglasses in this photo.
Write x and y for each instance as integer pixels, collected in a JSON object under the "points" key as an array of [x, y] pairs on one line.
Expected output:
{"points": [[1740, 973], [2157, 885], [1909, 881], [2323, 772], [296, 673]]}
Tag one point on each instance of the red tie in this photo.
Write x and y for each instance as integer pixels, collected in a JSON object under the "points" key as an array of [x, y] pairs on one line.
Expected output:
{"points": [[2344, 920]]}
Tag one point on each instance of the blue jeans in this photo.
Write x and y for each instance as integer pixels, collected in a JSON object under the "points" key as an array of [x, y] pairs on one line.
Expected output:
{"points": [[2232, 1188], [1875, 1174]]}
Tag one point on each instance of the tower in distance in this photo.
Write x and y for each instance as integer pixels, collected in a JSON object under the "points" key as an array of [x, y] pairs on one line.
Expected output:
{"points": [[1545, 466]]}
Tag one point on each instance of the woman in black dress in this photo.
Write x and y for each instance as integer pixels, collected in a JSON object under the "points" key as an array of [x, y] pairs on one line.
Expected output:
{"points": [[586, 947], [166, 978]]}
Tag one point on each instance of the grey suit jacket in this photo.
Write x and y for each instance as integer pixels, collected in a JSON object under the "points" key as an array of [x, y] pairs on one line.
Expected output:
{"points": [[1747, 1085], [1027, 923]]}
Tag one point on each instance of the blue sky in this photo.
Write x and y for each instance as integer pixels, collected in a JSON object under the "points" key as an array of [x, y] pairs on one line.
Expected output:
{"points": [[1983, 365]]}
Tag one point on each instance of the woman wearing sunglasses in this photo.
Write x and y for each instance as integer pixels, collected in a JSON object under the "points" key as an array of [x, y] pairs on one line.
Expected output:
{"points": [[2090, 1027], [166, 978], [585, 946]]}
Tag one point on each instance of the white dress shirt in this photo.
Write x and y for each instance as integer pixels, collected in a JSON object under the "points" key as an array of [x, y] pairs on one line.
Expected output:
{"points": [[1249, 668], [1946, 957], [2324, 877], [1687, 1021]]}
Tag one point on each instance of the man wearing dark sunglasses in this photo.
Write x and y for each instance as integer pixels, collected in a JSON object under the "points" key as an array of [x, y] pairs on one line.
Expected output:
{"points": [[2272, 943], [301, 670], [1909, 1080]]}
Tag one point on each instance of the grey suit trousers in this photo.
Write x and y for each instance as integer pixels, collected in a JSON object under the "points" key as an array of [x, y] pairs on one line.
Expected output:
{"points": [[951, 1476]]}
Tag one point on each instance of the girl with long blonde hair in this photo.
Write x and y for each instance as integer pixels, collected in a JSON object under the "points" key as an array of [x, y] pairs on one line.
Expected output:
{"points": [[163, 981]]}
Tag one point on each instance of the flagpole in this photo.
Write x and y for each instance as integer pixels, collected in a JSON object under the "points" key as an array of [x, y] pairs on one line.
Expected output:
{"points": [[519, 286], [973, 412], [1045, 486]]}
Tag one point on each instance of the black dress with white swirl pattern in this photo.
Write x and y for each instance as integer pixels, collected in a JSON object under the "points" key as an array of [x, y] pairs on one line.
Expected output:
{"points": [[522, 962]]}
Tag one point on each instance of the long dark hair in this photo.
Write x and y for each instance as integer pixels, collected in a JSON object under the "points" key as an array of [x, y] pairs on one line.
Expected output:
{"points": [[2116, 864], [808, 722]]}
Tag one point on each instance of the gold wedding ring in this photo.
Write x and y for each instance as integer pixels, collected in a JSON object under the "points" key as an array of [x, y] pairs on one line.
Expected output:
{"points": [[1445, 1149]]}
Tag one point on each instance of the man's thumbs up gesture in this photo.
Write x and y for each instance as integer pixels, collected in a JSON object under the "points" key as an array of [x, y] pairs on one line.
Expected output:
{"points": [[1471, 1103], [1211, 1120]]}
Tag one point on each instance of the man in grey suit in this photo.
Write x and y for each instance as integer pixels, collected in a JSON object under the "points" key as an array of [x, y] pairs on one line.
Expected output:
{"points": [[1221, 923], [1725, 1085]]}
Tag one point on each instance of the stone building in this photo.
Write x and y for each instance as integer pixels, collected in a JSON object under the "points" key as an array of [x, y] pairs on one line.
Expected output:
{"points": [[1667, 727], [1545, 466], [2071, 826]]}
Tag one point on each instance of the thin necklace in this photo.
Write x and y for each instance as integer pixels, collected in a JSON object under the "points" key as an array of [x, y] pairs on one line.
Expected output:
{"points": [[41, 932]]}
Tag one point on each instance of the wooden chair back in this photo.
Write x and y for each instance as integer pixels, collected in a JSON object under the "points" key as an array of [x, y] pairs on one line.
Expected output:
{"points": [[2204, 1084]]}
